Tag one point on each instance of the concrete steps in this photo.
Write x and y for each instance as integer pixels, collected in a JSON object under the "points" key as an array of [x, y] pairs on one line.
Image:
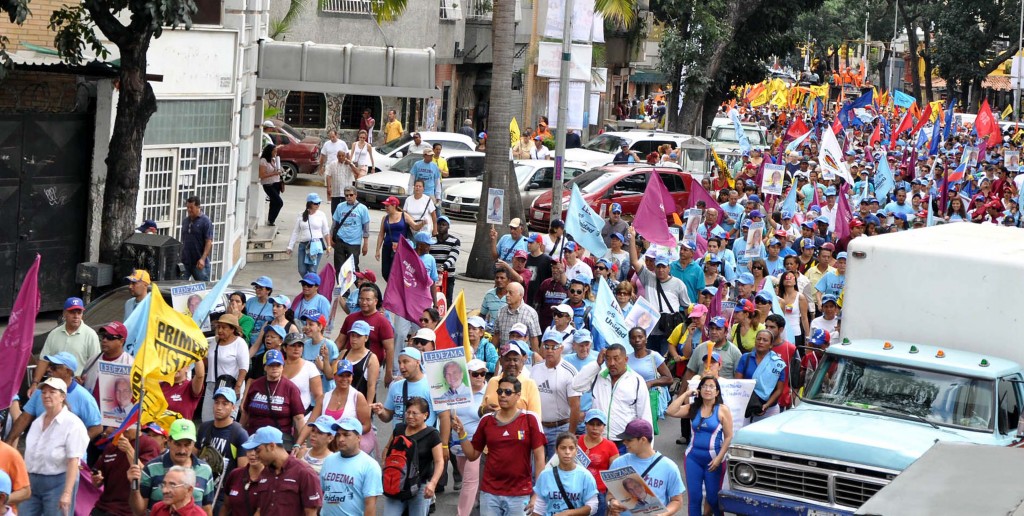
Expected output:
{"points": [[261, 246]]}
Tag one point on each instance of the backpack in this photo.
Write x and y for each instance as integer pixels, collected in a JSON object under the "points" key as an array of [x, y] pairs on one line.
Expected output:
{"points": [[401, 471]]}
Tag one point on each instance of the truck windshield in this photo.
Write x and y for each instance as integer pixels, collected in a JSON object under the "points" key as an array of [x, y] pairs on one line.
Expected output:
{"points": [[940, 398], [728, 134]]}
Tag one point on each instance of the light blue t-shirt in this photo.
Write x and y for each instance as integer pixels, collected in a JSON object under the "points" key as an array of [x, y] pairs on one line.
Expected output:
{"points": [[507, 246], [731, 212], [262, 313], [470, 417], [775, 267], [893, 208], [319, 304], [430, 263], [579, 485], [310, 351], [491, 303], [80, 403], [352, 230], [831, 284], [347, 481], [395, 402], [430, 175], [663, 479], [586, 398], [739, 248]]}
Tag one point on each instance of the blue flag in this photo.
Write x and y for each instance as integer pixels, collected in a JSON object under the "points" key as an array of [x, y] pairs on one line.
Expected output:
{"points": [[741, 136], [949, 120], [789, 203], [845, 117], [606, 318], [933, 149], [769, 291], [883, 180], [902, 99], [584, 224], [136, 325], [216, 295]]}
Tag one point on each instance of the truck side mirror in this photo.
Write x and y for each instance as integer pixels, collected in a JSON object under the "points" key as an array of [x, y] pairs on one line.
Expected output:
{"points": [[1020, 427]]}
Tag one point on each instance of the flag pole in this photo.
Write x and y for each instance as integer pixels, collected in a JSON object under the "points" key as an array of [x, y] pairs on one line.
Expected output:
{"points": [[138, 432]]}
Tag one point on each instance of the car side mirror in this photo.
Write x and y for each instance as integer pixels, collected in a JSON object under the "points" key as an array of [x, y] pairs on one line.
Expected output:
{"points": [[532, 186], [399, 154]]}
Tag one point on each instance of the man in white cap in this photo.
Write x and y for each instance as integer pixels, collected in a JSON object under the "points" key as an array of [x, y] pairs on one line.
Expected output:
{"points": [[554, 382], [505, 248], [412, 385], [351, 479], [562, 323], [512, 362]]}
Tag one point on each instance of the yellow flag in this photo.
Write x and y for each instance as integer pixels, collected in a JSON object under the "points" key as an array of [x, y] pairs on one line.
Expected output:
{"points": [[779, 99], [820, 91], [513, 132], [761, 99], [936, 110], [173, 341], [1006, 112], [723, 169]]}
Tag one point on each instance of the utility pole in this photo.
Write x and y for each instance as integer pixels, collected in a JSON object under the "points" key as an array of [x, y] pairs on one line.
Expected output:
{"points": [[1019, 62], [563, 112], [892, 45]]}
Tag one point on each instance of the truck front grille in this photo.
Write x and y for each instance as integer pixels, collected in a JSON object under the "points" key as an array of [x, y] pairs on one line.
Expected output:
{"points": [[809, 479]]}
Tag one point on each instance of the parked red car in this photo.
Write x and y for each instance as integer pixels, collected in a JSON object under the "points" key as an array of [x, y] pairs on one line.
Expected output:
{"points": [[602, 186], [300, 154]]}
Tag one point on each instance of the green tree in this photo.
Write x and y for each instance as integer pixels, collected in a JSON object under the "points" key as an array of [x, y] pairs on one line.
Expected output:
{"points": [[965, 53]]}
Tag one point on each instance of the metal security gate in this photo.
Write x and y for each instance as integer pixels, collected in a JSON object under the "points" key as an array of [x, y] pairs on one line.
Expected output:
{"points": [[44, 193], [171, 175]]}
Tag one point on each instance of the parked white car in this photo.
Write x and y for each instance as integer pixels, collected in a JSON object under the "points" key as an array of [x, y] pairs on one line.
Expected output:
{"points": [[463, 166], [385, 156], [534, 176], [600, 150]]}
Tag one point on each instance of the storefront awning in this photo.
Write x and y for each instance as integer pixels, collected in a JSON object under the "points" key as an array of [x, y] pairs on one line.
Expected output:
{"points": [[347, 69]]}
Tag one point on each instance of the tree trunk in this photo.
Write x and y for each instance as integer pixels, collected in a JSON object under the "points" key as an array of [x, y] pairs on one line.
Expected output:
{"points": [[498, 171], [912, 42], [927, 55], [135, 106], [883, 68]]}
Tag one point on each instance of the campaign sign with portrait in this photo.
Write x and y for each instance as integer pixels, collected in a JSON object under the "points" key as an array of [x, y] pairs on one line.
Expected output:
{"points": [[445, 369], [115, 388]]}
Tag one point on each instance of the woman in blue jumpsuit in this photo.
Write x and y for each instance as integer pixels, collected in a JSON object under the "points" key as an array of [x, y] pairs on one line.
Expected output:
{"points": [[711, 421]]}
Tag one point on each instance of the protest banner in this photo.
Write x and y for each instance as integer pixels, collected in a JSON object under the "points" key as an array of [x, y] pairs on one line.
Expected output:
{"points": [[186, 299], [115, 388], [693, 218], [445, 370], [735, 395], [626, 486], [606, 318], [1012, 159], [346, 277], [771, 182]]}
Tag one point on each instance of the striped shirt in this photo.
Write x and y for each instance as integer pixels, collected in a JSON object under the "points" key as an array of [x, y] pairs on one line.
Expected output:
{"points": [[153, 478], [507, 318], [446, 253]]}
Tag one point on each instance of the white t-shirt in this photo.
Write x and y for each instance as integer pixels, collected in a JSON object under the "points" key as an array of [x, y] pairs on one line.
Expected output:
{"points": [[420, 209], [331, 150], [555, 386], [307, 374], [361, 155], [229, 359], [820, 323], [541, 153]]}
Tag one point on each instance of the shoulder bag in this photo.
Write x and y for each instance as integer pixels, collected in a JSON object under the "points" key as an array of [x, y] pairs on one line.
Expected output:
{"points": [[668, 320]]}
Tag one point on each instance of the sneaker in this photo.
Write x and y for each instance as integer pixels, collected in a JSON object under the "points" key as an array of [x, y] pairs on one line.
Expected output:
{"points": [[457, 486], [682, 442]]}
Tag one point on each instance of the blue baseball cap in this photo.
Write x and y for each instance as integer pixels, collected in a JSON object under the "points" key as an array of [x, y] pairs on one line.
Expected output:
{"points": [[348, 424], [63, 358], [272, 357], [762, 297], [712, 259], [787, 214], [361, 328], [754, 198], [718, 321], [688, 244], [265, 435], [841, 256], [344, 366], [444, 219], [746, 224], [815, 208], [809, 224], [552, 335], [278, 330], [821, 220], [756, 214], [716, 357], [313, 197], [616, 208], [774, 241], [583, 277], [745, 279], [227, 393], [281, 299], [807, 243], [582, 335], [830, 191], [5, 483], [597, 414], [74, 303], [829, 299], [263, 281], [412, 353], [618, 236], [424, 237], [311, 278], [324, 424], [711, 291], [819, 337], [570, 246], [662, 259]]}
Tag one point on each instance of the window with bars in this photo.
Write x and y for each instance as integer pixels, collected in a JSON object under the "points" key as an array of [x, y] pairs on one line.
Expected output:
{"points": [[305, 109], [352, 110], [171, 175], [450, 10], [349, 6]]}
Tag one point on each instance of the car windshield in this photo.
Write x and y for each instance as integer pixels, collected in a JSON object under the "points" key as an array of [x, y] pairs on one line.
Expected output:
{"points": [[523, 173], [937, 397], [390, 146], [728, 134], [592, 181], [605, 143], [292, 131], [405, 164]]}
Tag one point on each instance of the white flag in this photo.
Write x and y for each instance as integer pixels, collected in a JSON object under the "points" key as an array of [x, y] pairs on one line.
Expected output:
{"points": [[830, 156]]}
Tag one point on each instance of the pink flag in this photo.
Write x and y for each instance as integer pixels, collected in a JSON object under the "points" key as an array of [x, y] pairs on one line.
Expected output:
{"points": [[698, 193], [702, 245], [715, 308], [327, 278], [651, 219], [817, 196], [408, 293], [16, 342], [843, 214]]}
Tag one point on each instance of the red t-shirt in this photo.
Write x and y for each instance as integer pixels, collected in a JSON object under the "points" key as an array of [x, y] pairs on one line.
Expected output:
{"points": [[380, 330], [162, 509], [511, 445], [786, 350], [285, 402], [180, 398], [600, 459], [113, 464], [291, 492]]}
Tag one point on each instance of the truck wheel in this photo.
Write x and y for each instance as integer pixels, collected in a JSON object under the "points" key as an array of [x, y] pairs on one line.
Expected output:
{"points": [[290, 172]]}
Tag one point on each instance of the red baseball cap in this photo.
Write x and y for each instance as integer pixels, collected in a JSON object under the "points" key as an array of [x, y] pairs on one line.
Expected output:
{"points": [[367, 275], [391, 201], [116, 329], [746, 305], [856, 223]]}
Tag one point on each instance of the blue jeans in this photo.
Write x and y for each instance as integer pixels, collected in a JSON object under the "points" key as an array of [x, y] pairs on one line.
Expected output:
{"points": [[45, 499], [602, 504], [305, 268], [199, 275], [417, 505], [551, 434], [494, 505]]}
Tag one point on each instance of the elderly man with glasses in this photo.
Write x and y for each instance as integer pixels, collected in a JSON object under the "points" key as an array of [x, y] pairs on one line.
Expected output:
{"points": [[153, 485], [178, 485], [351, 229]]}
